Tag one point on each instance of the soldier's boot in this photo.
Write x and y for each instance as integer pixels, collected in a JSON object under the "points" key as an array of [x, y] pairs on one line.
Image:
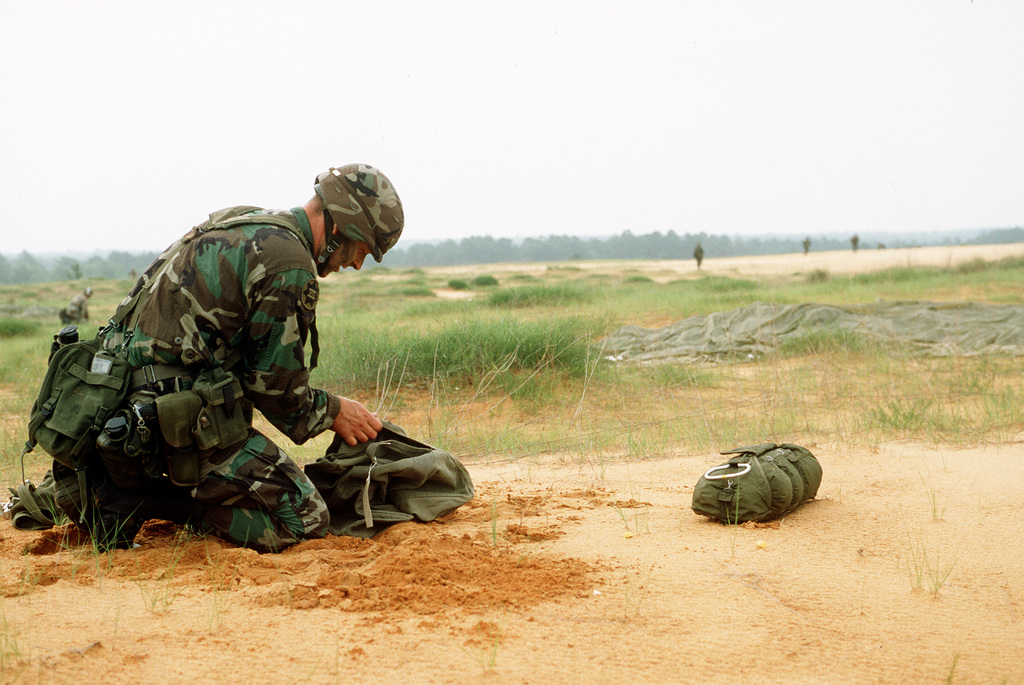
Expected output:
{"points": [[120, 513]]}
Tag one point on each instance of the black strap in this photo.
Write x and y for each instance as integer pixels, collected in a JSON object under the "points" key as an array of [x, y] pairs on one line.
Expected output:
{"points": [[314, 343]]}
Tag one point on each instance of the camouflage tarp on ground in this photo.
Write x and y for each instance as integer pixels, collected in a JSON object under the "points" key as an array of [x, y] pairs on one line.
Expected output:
{"points": [[937, 329]]}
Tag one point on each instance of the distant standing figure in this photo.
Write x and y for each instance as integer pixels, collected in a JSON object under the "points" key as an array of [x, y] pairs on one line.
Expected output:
{"points": [[78, 309], [855, 242], [807, 245], [698, 254]]}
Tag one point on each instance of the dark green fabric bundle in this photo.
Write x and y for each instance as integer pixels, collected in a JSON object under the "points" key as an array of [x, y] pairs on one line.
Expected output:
{"points": [[33, 507], [761, 482], [393, 478]]}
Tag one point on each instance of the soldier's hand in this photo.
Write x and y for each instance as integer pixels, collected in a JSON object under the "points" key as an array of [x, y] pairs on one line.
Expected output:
{"points": [[355, 423]]}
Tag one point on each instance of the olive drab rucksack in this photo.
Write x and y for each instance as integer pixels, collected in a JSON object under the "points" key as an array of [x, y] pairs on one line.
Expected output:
{"points": [[760, 483]]}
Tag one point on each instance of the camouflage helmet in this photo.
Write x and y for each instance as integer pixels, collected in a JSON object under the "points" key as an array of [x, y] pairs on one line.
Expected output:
{"points": [[361, 202]]}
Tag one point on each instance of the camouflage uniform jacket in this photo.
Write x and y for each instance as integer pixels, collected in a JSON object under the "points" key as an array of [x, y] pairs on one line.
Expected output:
{"points": [[250, 287]]}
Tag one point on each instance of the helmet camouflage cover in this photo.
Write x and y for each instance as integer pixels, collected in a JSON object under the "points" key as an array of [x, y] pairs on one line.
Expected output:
{"points": [[363, 205]]}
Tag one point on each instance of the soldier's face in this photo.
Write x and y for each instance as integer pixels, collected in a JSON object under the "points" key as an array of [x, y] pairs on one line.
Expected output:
{"points": [[349, 256]]}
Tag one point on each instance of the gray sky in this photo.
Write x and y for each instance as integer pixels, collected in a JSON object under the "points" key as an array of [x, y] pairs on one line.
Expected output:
{"points": [[125, 123]]}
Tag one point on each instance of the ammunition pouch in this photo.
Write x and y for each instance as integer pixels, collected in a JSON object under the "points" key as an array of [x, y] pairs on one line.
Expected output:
{"points": [[213, 414], [226, 416], [178, 413]]}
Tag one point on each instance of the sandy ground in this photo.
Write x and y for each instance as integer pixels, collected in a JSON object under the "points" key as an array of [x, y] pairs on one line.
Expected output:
{"points": [[906, 568]]}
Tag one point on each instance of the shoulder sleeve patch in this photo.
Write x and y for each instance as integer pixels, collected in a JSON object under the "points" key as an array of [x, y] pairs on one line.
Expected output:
{"points": [[310, 295]]}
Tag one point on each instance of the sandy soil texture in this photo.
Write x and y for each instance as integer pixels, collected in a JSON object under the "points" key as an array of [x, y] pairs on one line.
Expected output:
{"points": [[906, 568]]}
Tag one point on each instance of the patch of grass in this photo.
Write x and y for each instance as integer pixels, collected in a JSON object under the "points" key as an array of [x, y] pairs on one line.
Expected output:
{"points": [[826, 341], [464, 350], [721, 284], [976, 265], [11, 327], [901, 274], [902, 414], [484, 281], [818, 276], [413, 291], [681, 376], [458, 284], [539, 295], [1011, 263]]}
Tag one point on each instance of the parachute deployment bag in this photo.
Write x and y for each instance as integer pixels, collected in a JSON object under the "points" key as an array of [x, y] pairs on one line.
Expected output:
{"points": [[82, 387], [390, 479], [760, 483]]}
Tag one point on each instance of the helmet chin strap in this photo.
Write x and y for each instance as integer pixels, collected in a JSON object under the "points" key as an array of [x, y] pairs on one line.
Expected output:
{"points": [[330, 235]]}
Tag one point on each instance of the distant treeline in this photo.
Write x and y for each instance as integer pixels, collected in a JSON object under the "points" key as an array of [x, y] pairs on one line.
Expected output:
{"points": [[24, 268]]}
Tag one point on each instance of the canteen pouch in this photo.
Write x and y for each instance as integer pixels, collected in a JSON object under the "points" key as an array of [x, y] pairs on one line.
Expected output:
{"points": [[82, 387], [760, 483], [128, 448], [178, 413], [226, 416]]}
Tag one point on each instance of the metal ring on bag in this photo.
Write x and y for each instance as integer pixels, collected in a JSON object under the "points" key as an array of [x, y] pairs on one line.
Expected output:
{"points": [[745, 469]]}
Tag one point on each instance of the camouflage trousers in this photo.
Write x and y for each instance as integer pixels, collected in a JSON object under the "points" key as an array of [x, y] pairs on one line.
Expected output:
{"points": [[258, 497]]}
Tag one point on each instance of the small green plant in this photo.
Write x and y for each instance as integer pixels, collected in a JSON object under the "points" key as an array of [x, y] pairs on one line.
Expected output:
{"points": [[633, 593], [487, 656], [938, 508], [458, 284], [159, 593], [10, 650], [639, 516], [952, 668], [928, 571], [494, 522]]}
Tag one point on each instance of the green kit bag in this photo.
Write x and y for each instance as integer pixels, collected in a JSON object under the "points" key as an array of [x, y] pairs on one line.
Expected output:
{"points": [[83, 386], [760, 483]]}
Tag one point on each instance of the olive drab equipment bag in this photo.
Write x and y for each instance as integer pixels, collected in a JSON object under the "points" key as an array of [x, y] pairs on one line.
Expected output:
{"points": [[82, 387], [760, 483]]}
